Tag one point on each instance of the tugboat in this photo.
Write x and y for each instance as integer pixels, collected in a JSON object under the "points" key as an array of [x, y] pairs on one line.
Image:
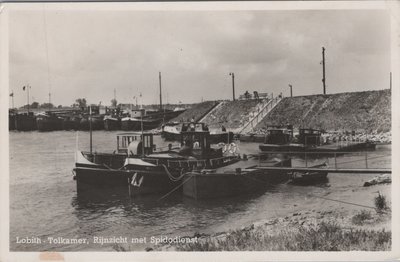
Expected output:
{"points": [[136, 162], [280, 139]]}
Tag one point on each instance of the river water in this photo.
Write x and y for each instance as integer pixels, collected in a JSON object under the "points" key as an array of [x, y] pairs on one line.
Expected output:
{"points": [[44, 201]]}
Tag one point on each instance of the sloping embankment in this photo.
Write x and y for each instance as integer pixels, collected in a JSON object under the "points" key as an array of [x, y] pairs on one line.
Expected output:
{"points": [[196, 111], [231, 114], [369, 111]]}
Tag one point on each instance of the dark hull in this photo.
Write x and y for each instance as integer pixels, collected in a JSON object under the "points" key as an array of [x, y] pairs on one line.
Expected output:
{"points": [[25, 122], [112, 124], [208, 186], [222, 184], [71, 124], [165, 115], [97, 124], [281, 148], [101, 176], [49, 124], [11, 122], [153, 182], [252, 138], [136, 125], [332, 148]]}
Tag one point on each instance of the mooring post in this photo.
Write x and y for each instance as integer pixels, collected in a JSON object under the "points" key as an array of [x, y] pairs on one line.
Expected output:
{"points": [[129, 186]]}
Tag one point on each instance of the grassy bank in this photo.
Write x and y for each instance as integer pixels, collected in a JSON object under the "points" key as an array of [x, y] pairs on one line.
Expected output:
{"points": [[369, 111], [323, 237], [308, 231]]}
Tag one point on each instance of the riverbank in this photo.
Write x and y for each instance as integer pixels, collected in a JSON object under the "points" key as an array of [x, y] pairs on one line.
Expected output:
{"points": [[309, 230], [334, 226]]}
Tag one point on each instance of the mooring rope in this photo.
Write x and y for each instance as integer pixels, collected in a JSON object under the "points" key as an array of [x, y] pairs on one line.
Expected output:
{"points": [[345, 202], [170, 192], [171, 177]]}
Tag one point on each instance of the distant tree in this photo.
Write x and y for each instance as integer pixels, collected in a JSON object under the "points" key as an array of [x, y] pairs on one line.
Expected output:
{"points": [[47, 105], [114, 102], [81, 102], [35, 105], [59, 106]]}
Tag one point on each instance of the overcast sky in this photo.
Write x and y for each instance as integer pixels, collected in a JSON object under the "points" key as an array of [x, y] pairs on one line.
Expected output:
{"points": [[89, 53]]}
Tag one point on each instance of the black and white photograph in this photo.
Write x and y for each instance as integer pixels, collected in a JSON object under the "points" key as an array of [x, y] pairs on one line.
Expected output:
{"points": [[164, 130]]}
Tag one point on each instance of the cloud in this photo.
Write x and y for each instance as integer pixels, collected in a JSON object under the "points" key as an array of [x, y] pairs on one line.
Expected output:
{"points": [[92, 52]]}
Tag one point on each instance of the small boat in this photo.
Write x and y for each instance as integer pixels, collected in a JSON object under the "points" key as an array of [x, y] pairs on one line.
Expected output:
{"points": [[280, 139], [309, 177], [172, 132]]}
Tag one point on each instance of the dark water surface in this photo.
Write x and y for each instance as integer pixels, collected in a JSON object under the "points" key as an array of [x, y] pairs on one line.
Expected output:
{"points": [[44, 201]]}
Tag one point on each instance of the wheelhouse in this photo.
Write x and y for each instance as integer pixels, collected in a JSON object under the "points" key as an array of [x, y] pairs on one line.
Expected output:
{"points": [[279, 135], [310, 137], [143, 141]]}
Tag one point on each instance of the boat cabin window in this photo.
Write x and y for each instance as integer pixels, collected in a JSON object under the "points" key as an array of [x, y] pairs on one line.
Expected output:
{"points": [[123, 142], [278, 136], [310, 137]]}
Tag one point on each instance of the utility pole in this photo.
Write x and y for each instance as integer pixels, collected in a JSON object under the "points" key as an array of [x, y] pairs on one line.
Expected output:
{"points": [[49, 100], [390, 81], [115, 94], [233, 84], [159, 78], [291, 92], [27, 87], [323, 69]]}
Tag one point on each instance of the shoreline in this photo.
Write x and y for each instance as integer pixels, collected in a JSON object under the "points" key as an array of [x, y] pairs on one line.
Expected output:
{"points": [[277, 234], [299, 227]]}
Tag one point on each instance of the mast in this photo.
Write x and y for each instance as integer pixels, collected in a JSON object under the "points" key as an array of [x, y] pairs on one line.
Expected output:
{"points": [[323, 69], [28, 87], [90, 127], [159, 78], [49, 100]]}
